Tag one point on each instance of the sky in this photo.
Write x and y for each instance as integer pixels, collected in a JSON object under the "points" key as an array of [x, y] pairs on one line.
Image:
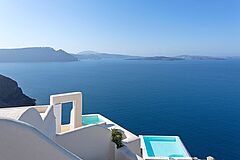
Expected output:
{"points": [[136, 27]]}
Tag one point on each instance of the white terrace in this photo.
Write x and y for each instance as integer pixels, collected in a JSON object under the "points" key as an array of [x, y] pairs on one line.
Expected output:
{"points": [[37, 133]]}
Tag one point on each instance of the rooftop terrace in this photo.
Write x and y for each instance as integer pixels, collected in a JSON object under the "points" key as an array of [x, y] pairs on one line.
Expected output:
{"points": [[88, 137]]}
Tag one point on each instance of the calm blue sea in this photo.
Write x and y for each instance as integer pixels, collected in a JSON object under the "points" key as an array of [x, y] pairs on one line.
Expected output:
{"points": [[197, 100]]}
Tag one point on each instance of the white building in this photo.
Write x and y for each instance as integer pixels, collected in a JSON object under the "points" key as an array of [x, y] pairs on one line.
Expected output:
{"points": [[37, 133]]}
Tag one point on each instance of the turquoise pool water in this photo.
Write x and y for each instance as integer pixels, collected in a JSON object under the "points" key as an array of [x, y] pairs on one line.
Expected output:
{"points": [[92, 119], [161, 146]]}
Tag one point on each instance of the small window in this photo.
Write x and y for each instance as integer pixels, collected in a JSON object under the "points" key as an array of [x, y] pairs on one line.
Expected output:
{"points": [[66, 112]]}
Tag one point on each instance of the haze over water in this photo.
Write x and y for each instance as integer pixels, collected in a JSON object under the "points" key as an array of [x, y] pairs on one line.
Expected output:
{"points": [[197, 100]]}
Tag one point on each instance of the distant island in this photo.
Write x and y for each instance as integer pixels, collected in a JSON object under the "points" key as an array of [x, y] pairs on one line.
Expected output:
{"points": [[163, 58], [11, 94], [92, 55], [98, 56], [48, 54], [193, 57], [35, 54]]}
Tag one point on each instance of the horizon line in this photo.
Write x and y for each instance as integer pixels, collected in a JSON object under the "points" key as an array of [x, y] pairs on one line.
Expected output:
{"points": [[121, 53]]}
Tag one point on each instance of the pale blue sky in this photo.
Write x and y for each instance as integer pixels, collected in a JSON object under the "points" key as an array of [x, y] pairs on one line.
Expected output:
{"points": [[148, 27]]}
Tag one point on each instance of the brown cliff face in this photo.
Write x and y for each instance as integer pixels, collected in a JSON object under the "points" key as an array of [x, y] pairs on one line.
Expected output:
{"points": [[11, 95]]}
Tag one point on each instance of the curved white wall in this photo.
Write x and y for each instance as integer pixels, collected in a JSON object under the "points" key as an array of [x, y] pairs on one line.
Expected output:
{"points": [[47, 125], [90, 142], [32, 116], [21, 141]]}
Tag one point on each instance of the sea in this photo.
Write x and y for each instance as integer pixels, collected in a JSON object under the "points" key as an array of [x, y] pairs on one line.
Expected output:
{"points": [[198, 100]]}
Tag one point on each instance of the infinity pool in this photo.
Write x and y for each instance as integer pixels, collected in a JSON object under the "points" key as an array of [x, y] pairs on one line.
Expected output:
{"points": [[91, 119], [163, 146]]}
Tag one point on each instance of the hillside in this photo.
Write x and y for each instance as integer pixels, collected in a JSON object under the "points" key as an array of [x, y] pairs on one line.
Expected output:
{"points": [[35, 54], [11, 94]]}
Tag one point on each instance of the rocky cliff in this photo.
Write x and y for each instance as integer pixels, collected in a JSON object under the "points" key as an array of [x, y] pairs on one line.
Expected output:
{"points": [[11, 94]]}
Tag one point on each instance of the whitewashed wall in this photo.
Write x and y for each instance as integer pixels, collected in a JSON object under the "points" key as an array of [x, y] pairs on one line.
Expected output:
{"points": [[90, 142], [20, 141], [124, 153], [32, 116], [47, 125]]}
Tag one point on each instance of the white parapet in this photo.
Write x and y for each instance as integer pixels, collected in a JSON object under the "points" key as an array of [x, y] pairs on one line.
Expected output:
{"points": [[129, 139]]}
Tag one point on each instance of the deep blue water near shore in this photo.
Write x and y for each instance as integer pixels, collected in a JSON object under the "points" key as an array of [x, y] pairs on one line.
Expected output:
{"points": [[197, 100]]}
